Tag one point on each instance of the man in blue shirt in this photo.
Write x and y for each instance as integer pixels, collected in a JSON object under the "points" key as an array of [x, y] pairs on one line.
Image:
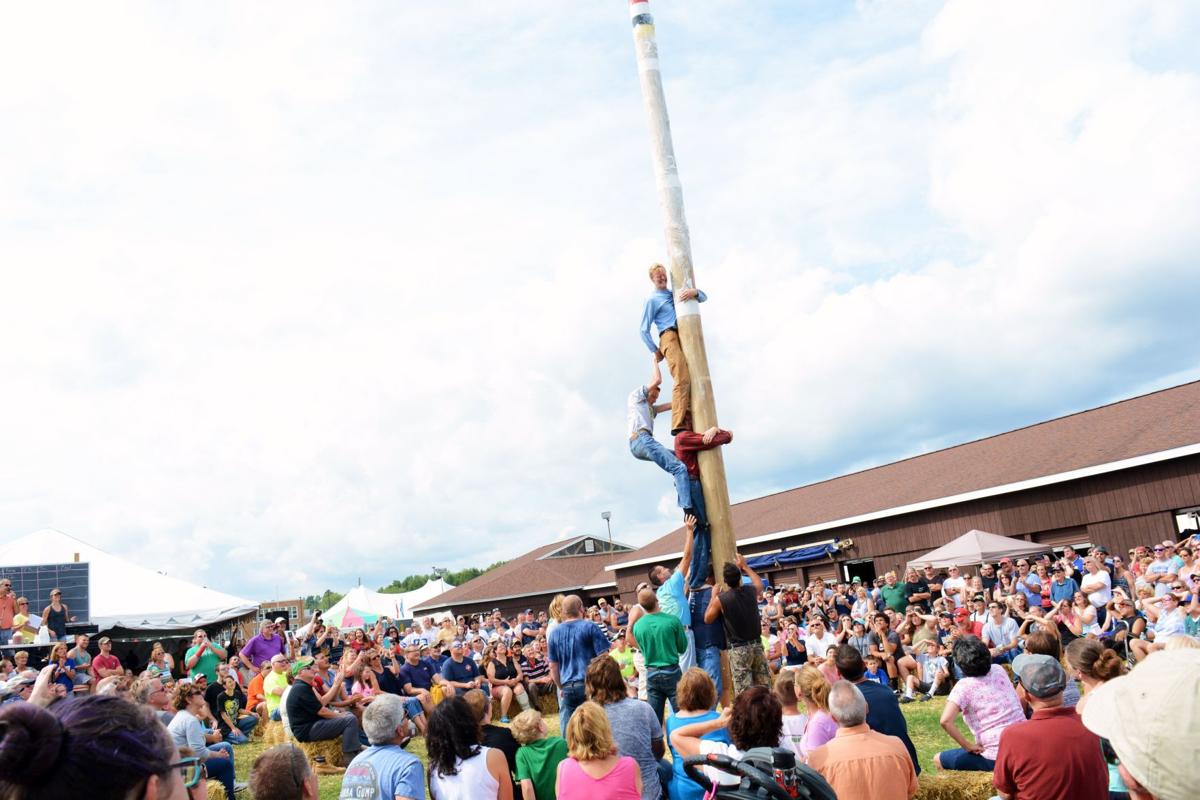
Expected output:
{"points": [[1062, 587], [672, 599], [660, 310], [385, 770], [461, 673], [573, 644]]}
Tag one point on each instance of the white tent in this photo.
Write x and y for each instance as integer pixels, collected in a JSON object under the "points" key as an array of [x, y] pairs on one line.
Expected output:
{"points": [[123, 594], [978, 547], [381, 604]]}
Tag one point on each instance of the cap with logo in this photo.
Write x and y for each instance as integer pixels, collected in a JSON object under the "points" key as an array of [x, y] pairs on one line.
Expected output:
{"points": [[300, 663]]}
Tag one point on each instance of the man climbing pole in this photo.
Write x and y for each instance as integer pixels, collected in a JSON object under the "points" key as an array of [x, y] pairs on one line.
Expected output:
{"points": [[641, 414], [660, 310], [688, 446]]}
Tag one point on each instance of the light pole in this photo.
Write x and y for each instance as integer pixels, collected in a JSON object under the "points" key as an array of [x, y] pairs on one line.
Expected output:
{"points": [[607, 517]]}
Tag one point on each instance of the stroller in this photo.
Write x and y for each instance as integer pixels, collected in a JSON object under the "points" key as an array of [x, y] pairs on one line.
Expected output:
{"points": [[765, 773]]}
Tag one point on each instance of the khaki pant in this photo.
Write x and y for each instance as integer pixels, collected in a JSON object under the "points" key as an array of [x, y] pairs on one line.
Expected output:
{"points": [[681, 391]]}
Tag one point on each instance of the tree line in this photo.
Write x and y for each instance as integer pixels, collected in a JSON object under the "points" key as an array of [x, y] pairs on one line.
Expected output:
{"points": [[329, 597]]}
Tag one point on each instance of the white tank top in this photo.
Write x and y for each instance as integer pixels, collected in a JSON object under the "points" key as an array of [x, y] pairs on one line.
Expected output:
{"points": [[471, 782]]}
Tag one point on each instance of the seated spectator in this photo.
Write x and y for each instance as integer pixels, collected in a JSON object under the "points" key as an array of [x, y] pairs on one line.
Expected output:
{"points": [[102, 748], [812, 689], [460, 672], [187, 730], [635, 728], [459, 767], [1046, 643], [256, 701], [64, 667], [1052, 754], [283, 773], [756, 720], [229, 708], [794, 720], [160, 659], [1165, 612], [1000, 634], [860, 762], [1154, 753], [696, 697], [274, 684], [1093, 664], [932, 675], [310, 719], [494, 736], [535, 668], [385, 769], [875, 671], [83, 660], [504, 677], [986, 699], [538, 757], [150, 692], [883, 711], [594, 768]]}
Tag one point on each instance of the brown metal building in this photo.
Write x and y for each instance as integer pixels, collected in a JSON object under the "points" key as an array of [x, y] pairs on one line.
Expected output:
{"points": [[1120, 475]]}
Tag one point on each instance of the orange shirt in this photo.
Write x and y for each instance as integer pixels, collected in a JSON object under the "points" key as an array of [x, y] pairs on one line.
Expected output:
{"points": [[254, 693], [859, 762]]}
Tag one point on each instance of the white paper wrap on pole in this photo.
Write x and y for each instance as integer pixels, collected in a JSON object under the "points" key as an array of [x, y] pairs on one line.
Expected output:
{"points": [[679, 253]]}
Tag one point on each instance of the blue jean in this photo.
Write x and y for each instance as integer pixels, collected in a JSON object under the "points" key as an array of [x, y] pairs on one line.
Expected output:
{"points": [[573, 695], [960, 759], [687, 659], [646, 448], [701, 538], [709, 660], [660, 688], [5, 635], [220, 768], [241, 733]]}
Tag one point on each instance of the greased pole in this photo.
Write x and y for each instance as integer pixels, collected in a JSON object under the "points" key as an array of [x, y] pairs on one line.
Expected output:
{"points": [[679, 253]]}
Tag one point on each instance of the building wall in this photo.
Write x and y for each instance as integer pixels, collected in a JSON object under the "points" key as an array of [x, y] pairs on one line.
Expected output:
{"points": [[293, 610], [1119, 510]]}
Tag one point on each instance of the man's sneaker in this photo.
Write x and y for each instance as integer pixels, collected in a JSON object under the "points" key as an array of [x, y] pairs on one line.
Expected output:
{"points": [[906, 699], [924, 697], [240, 786]]}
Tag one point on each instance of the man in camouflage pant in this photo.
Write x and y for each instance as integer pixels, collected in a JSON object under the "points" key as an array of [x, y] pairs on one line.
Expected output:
{"points": [[737, 607]]}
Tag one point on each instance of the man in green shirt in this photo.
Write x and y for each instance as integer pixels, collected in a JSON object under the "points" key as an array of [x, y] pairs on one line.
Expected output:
{"points": [[661, 639], [893, 593], [538, 757], [203, 656]]}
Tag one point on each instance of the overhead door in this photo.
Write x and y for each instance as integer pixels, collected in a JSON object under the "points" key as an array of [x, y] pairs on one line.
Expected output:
{"points": [[1055, 540], [827, 571]]}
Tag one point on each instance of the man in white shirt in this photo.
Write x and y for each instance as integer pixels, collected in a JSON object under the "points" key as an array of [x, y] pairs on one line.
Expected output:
{"points": [[643, 445], [955, 587], [818, 641], [1000, 634], [1097, 585]]}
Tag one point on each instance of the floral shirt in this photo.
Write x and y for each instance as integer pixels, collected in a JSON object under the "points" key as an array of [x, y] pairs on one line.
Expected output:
{"points": [[989, 705]]}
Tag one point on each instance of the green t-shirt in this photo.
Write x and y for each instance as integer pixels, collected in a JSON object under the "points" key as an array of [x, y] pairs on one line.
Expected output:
{"points": [[206, 665], [274, 680], [538, 762], [894, 597], [661, 638], [625, 659]]}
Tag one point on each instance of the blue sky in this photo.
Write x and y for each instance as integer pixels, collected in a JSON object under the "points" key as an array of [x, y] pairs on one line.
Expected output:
{"points": [[300, 294]]}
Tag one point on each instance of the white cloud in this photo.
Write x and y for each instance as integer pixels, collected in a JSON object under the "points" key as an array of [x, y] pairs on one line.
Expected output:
{"points": [[296, 296]]}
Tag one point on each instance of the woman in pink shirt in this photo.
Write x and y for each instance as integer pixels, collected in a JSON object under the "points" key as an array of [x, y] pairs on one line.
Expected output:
{"points": [[812, 689], [593, 768]]}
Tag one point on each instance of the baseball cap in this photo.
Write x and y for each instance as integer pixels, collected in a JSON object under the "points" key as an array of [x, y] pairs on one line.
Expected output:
{"points": [[456, 643], [856, 579], [1042, 676], [104, 639], [279, 620], [299, 664], [1159, 749], [961, 613]]}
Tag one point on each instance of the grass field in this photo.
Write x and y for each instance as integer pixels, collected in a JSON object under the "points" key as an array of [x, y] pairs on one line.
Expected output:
{"points": [[927, 735]]}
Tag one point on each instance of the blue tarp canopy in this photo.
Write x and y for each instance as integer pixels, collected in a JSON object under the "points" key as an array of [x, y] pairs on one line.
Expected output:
{"points": [[788, 558]]}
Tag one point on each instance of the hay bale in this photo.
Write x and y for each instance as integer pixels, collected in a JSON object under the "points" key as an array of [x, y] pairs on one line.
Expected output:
{"points": [[274, 733], [214, 790], [548, 703], [955, 785], [330, 748]]}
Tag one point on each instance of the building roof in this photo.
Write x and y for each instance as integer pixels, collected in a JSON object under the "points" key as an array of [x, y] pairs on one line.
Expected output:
{"points": [[1156, 426], [548, 569]]}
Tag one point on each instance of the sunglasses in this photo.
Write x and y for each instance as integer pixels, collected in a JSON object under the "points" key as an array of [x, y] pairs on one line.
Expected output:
{"points": [[191, 770]]}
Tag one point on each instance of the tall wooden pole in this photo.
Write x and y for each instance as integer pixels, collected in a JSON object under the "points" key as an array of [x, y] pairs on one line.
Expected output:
{"points": [[679, 253]]}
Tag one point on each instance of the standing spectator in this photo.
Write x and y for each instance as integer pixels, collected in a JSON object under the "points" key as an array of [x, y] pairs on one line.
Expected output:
{"points": [[696, 698], [188, 731], [310, 719], [737, 609], [985, 698], [916, 591], [385, 769], [860, 762], [669, 586], [1028, 583], [203, 656], [1061, 587], [893, 593], [106, 664], [1097, 585], [636, 729], [264, 645], [8, 609], [709, 637], [459, 672], [954, 587], [594, 768], [754, 721], [661, 639], [1163, 569], [539, 756], [573, 644], [56, 616], [883, 710], [459, 767], [1025, 766], [1155, 752]]}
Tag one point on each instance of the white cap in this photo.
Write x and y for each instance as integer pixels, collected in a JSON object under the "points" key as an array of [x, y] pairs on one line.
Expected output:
{"points": [[1151, 717]]}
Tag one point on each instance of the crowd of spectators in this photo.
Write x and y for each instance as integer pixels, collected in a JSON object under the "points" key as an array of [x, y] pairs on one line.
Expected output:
{"points": [[1045, 648]]}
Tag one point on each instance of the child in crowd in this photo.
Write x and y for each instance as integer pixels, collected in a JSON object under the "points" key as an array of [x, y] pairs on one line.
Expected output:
{"points": [[932, 676], [875, 671], [595, 769], [794, 720], [539, 756]]}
